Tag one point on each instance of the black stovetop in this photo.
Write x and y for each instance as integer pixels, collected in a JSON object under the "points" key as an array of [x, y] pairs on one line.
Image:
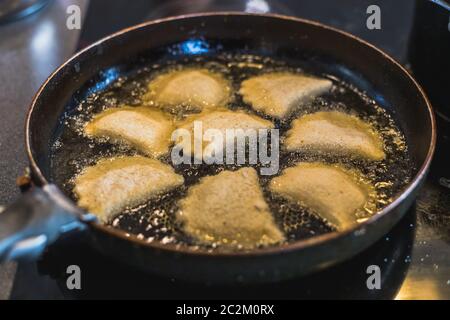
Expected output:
{"points": [[414, 257]]}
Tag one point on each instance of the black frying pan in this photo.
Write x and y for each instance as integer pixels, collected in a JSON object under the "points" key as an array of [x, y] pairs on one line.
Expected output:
{"points": [[44, 213]]}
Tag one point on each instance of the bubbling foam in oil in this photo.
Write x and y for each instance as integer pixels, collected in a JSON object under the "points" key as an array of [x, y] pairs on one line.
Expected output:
{"points": [[155, 220]]}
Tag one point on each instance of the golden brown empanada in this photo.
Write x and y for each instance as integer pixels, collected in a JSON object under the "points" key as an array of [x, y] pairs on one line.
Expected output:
{"points": [[188, 90], [110, 186], [335, 132], [332, 192], [280, 93], [145, 129], [229, 209]]}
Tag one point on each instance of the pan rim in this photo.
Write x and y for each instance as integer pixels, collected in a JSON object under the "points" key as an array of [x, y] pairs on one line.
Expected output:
{"points": [[281, 249]]}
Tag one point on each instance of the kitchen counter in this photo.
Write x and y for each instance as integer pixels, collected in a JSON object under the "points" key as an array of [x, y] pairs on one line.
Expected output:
{"points": [[30, 49]]}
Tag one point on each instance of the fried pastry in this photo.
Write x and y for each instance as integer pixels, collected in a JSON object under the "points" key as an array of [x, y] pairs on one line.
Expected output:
{"points": [[145, 129], [110, 186], [332, 192], [229, 208], [278, 94], [220, 120], [336, 133], [188, 90]]}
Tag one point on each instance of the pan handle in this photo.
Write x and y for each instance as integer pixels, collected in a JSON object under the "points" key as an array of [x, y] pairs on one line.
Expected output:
{"points": [[35, 220]]}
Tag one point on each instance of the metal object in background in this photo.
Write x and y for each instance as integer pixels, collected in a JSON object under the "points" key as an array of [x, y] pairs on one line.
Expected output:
{"points": [[16, 9], [430, 53]]}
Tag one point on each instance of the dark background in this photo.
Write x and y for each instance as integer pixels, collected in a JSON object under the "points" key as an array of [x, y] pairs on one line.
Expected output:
{"points": [[106, 16]]}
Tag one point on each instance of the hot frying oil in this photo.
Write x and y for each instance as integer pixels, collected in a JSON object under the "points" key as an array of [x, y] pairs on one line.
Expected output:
{"points": [[155, 220]]}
